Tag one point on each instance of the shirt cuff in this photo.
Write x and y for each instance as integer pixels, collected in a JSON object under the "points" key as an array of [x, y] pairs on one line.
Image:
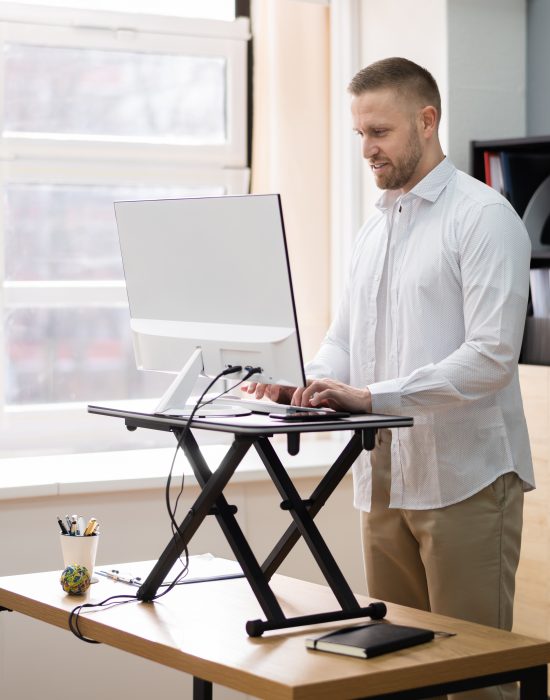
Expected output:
{"points": [[386, 396]]}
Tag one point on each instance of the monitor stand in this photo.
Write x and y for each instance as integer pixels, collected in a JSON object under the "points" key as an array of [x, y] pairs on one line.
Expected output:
{"points": [[175, 400]]}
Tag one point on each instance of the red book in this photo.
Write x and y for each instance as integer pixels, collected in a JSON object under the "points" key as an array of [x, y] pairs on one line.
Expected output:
{"points": [[487, 161]]}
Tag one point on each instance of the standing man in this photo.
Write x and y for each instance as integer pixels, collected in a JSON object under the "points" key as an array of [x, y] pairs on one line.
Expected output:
{"points": [[430, 326]]}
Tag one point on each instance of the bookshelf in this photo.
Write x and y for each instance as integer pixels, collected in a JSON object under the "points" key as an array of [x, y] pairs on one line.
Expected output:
{"points": [[536, 148], [534, 144], [520, 170]]}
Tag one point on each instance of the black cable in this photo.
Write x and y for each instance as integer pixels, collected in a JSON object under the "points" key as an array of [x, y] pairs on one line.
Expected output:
{"points": [[75, 612], [249, 372], [172, 511], [198, 404], [201, 404], [121, 599]]}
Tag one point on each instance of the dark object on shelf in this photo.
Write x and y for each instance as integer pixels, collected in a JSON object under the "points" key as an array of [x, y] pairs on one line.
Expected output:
{"points": [[525, 170], [525, 167], [523, 173], [537, 217], [536, 341]]}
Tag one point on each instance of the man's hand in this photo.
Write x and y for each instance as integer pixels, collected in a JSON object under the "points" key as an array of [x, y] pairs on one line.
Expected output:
{"points": [[317, 393], [274, 392], [335, 395]]}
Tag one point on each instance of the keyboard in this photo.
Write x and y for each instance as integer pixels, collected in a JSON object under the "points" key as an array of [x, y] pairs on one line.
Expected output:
{"points": [[265, 406]]}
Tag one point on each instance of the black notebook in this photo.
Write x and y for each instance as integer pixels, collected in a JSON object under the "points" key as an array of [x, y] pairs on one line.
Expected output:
{"points": [[370, 640]]}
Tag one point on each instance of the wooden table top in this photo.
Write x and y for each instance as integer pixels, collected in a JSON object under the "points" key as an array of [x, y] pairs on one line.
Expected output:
{"points": [[200, 629]]}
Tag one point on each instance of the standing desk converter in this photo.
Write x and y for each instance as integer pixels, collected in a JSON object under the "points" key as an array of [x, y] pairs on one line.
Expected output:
{"points": [[256, 430]]}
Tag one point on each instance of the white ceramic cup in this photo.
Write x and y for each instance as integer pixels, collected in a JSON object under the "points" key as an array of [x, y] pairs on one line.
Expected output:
{"points": [[80, 549]]}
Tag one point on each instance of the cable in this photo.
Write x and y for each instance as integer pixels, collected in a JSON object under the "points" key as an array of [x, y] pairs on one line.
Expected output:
{"points": [[249, 372], [121, 599], [172, 512], [199, 404], [75, 613]]}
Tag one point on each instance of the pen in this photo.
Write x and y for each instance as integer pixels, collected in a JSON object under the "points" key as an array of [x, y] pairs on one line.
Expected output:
{"points": [[133, 580], [90, 527], [72, 531], [62, 526], [81, 526]]}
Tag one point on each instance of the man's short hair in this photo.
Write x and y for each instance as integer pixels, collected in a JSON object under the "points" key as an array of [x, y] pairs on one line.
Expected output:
{"points": [[402, 75]]}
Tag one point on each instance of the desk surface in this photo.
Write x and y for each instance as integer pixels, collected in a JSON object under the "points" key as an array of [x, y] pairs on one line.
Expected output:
{"points": [[253, 424], [199, 629]]}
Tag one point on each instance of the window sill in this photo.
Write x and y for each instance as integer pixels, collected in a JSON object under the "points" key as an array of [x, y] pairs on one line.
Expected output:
{"points": [[132, 470]]}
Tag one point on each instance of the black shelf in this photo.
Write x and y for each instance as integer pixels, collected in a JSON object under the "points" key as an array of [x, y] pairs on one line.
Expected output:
{"points": [[540, 259], [533, 144], [536, 338]]}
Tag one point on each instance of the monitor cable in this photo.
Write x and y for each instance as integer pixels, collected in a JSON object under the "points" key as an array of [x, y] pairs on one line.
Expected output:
{"points": [[250, 371], [121, 599]]}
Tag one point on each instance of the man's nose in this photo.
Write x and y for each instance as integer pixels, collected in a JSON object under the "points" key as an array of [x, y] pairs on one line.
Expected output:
{"points": [[370, 149]]}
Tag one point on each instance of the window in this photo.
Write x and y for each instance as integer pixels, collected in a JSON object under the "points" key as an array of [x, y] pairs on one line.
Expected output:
{"points": [[96, 107], [211, 9]]}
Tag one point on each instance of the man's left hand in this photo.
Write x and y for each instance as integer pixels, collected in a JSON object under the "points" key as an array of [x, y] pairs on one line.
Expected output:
{"points": [[335, 395]]}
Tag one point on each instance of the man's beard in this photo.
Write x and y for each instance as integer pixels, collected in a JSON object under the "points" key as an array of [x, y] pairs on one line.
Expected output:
{"points": [[402, 171]]}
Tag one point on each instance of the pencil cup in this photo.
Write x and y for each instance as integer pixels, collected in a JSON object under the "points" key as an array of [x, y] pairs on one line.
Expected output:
{"points": [[80, 549]]}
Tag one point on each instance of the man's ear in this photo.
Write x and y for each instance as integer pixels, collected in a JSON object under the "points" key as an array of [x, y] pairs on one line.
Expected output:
{"points": [[428, 120]]}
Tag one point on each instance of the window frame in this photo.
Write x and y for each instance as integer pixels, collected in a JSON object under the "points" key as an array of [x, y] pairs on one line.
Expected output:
{"points": [[44, 428], [230, 154]]}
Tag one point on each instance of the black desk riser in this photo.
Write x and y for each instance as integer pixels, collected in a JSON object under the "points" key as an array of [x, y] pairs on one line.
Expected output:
{"points": [[256, 430]]}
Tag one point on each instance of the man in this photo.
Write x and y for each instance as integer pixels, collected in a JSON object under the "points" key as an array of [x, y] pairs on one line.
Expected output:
{"points": [[430, 326]]}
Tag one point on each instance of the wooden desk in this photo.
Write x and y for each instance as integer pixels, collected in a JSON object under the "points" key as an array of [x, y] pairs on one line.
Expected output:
{"points": [[199, 629]]}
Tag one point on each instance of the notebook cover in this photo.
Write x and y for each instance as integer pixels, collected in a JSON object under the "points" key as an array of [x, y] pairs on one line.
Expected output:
{"points": [[370, 640]]}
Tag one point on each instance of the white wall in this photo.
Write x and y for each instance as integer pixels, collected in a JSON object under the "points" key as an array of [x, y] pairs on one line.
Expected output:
{"points": [[538, 75], [475, 51], [486, 73], [41, 661], [413, 29]]}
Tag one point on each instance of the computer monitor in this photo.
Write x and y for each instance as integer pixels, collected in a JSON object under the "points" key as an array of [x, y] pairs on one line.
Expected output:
{"points": [[209, 286]]}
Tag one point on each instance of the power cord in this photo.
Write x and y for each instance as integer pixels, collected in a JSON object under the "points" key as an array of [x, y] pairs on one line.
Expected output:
{"points": [[250, 371], [121, 599], [176, 533]]}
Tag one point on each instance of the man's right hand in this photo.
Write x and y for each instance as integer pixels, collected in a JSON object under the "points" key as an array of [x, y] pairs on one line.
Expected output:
{"points": [[274, 392]]}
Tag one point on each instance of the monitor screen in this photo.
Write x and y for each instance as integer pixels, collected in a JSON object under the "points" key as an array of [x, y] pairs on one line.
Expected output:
{"points": [[209, 286]]}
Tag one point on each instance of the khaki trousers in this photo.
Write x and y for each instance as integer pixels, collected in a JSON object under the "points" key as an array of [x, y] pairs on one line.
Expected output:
{"points": [[460, 560]]}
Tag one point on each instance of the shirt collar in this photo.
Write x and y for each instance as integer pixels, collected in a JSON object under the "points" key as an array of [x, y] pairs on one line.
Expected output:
{"points": [[430, 187]]}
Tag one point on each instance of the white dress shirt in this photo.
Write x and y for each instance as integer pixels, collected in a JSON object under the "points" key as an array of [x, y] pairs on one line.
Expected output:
{"points": [[432, 322]]}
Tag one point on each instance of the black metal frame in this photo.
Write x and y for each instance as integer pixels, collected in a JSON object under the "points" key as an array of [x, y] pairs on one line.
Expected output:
{"points": [[211, 501], [533, 686], [533, 683], [202, 690]]}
